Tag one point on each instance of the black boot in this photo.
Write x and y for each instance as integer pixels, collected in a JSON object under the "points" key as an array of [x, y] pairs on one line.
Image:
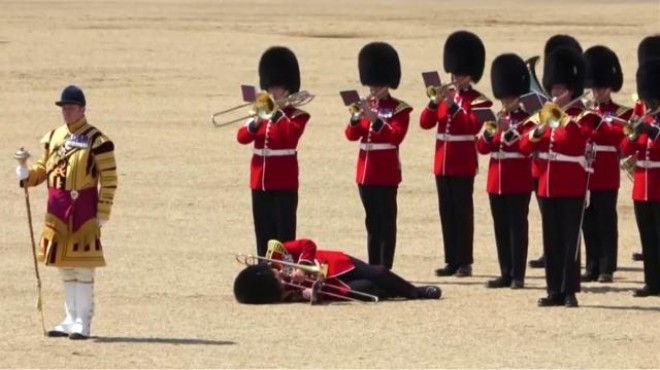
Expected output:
{"points": [[429, 292], [637, 256], [500, 282], [538, 263], [448, 270], [553, 299]]}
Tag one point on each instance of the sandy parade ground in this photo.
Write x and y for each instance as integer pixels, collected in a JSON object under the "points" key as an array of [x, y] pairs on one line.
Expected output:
{"points": [[154, 71]]}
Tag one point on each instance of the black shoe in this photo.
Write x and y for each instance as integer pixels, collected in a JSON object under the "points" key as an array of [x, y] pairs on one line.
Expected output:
{"points": [[500, 282], [605, 278], [645, 292], [56, 334], [587, 277], [77, 336], [448, 270], [551, 300], [538, 263], [464, 271], [429, 292], [570, 300], [637, 256], [517, 284]]}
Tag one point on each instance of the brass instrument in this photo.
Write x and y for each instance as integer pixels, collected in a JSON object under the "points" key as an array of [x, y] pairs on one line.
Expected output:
{"points": [[631, 125], [318, 274], [354, 108], [628, 164], [264, 106], [554, 116], [433, 92], [534, 84]]}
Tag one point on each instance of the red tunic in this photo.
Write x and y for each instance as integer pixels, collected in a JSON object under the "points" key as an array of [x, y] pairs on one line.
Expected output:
{"points": [[646, 186], [509, 170], [378, 161], [455, 149], [607, 139], [561, 154], [274, 164]]}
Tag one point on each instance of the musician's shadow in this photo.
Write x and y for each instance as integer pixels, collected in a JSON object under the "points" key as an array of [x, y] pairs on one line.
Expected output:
{"points": [[156, 340], [605, 289], [624, 308]]}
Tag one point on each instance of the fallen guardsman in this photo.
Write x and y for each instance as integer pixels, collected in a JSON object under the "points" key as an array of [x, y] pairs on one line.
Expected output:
{"points": [[296, 271]]}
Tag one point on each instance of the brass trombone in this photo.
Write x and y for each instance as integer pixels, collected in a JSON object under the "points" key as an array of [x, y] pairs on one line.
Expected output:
{"points": [[319, 273], [264, 106], [553, 115]]}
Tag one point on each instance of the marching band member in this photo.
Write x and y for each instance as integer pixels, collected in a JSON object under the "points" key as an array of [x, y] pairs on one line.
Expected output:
{"points": [[263, 284], [561, 141], [380, 125], [644, 143], [509, 174], [600, 226], [649, 47], [274, 165], [551, 44], [455, 150], [78, 165]]}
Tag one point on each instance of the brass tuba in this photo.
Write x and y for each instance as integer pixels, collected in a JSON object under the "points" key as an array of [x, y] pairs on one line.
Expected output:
{"points": [[534, 84]]}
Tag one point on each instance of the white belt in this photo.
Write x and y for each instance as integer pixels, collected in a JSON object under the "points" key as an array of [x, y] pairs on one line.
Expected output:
{"points": [[553, 156], [506, 155], [648, 164], [448, 137], [376, 146], [265, 152], [605, 148]]}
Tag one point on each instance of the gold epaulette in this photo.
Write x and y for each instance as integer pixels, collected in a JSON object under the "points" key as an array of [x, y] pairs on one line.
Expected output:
{"points": [[481, 99], [401, 107], [297, 113], [622, 111], [534, 118]]}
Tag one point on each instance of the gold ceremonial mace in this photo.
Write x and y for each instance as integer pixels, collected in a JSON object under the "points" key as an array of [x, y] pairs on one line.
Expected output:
{"points": [[22, 156]]}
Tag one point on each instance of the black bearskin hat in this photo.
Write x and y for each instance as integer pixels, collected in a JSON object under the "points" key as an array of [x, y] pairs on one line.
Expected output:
{"points": [[509, 76], [257, 285], [379, 65], [648, 80], [565, 66], [279, 67], [602, 68], [557, 41], [464, 55], [648, 48]]}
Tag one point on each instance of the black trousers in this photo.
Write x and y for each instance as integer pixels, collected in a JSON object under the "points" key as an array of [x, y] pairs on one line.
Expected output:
{"points": [[456, 218], [378, 281], [274, 214], [561, 236], [381, 209], [511, 233], [647, 215], [601, 235]]}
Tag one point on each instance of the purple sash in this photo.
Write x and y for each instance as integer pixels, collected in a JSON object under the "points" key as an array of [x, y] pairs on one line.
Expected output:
{"points": [[80, 210]]}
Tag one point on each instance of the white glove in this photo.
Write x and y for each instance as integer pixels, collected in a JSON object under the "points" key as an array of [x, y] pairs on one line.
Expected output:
{"points": [[101, 222], [22, 173]]}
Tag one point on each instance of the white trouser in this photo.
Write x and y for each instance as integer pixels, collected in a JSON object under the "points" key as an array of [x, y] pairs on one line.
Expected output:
{"points": [[78, 300]]}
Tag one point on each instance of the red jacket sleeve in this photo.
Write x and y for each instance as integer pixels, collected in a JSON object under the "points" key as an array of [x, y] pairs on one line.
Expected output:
{"points": [[354, 132], [244, 136], [429, 118], [302, 250], [484, 146], [296, 125]]}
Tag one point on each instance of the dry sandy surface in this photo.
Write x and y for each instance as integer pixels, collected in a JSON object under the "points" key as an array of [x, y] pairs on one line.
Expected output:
{"points": [[154, 71]]}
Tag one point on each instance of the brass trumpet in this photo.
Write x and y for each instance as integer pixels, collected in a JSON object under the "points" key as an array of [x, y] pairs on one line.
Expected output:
{"points": [[354, 108], [264, 106], [433, 92]]}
